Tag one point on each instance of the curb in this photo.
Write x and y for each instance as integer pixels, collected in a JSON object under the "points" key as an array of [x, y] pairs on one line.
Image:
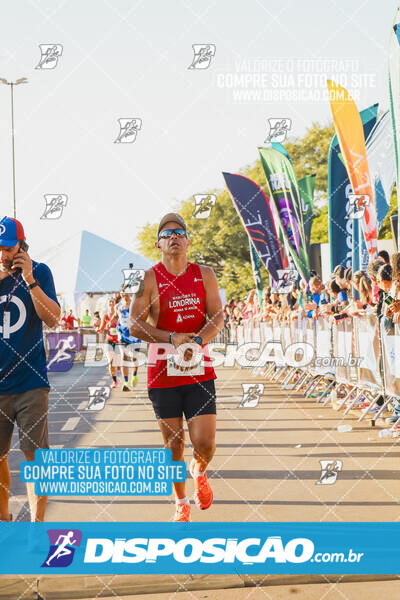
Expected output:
{"points": [[59, 587]]}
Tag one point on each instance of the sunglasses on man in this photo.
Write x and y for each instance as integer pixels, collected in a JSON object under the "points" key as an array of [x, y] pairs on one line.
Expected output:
{"points": [[167, 233]]}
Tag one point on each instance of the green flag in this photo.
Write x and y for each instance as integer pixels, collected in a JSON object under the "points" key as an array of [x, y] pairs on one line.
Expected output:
{"points": [[284, 190], [306, 189]]}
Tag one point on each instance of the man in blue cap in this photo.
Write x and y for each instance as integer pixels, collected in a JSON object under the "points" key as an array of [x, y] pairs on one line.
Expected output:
{"points": [[27, 299]]}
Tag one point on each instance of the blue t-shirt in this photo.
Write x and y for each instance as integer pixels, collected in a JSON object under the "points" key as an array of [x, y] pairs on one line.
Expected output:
{"points": [[22, 354], [342, 296], [123, 326]]}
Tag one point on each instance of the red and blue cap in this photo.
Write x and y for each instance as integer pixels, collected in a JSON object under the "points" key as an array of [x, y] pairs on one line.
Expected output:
{"points": [[11, 232]]}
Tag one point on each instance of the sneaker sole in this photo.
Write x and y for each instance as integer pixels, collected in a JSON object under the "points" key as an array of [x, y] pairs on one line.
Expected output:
{"points": [[201, 507], [196, 501]]}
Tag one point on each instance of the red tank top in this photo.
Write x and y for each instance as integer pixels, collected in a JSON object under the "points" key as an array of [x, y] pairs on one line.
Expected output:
{"points": [[182, 309], [111, 328]]}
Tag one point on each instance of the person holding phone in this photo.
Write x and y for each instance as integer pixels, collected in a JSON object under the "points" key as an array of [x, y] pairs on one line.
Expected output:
{"points": [[27, 300]]}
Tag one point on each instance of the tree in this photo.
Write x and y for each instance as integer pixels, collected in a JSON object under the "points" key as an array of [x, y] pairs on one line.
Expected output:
{"points": [[219, 241], [385, 232], [309, 155]]}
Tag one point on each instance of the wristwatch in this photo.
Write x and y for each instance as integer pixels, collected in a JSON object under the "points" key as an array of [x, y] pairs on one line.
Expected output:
{"points": [[32, 285], [172, 333], [198, 340]]}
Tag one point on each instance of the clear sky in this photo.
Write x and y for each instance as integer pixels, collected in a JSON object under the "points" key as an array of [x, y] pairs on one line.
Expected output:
{"points": [[124, 59]]}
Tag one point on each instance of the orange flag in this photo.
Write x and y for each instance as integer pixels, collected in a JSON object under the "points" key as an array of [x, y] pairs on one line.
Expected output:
{"points": [[350, 133]]}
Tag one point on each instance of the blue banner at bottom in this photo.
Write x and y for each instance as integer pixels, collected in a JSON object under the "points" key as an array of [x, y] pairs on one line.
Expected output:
{"points": [[178, 548]]}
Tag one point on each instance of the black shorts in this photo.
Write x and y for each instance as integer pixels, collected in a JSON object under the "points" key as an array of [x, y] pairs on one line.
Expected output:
{"points": [[191, 400]]}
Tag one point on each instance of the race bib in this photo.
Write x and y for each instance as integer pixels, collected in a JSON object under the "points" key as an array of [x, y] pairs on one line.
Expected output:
{"points": [[192, 364]]}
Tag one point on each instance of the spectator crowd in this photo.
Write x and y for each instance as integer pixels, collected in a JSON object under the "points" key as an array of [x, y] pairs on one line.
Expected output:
{"points": [[344, 294]]}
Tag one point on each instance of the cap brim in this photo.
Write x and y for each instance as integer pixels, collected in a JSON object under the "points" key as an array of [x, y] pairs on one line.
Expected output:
{"points": [[8, 243]]}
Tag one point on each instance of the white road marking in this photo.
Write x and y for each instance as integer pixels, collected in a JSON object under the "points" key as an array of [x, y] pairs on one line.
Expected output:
{"points": [[70, 424]]}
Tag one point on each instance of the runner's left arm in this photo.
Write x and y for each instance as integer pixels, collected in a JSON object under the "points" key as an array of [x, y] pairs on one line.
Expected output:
{"points": [[214, 309]]}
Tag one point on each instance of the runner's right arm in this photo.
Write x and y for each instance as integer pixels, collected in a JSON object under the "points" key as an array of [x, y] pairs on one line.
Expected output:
{"points": [[139, 313], [102, 324]]}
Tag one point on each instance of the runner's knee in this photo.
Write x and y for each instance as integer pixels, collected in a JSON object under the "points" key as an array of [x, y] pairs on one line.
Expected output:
{"points": [[204, 449], [176, 443]]}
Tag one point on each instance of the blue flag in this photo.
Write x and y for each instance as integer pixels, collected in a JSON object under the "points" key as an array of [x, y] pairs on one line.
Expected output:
{"points": [[255, 213]]}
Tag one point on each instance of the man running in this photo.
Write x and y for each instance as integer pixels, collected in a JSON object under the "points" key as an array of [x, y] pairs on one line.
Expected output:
{"points": [[109, 324], [124, 340], [171, 307]]}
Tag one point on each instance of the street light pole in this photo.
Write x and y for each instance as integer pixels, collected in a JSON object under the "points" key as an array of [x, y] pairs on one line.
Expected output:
{"points": [[12, 84], [13, 147]]}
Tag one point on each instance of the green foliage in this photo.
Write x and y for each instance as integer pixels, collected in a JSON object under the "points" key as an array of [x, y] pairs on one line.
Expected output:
{"points": [[310, 155], [319, 228], [385, 232], [221, 241]]}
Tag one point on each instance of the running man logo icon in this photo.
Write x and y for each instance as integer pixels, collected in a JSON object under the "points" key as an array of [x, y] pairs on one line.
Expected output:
{"points": [[97, 397], [55, 204], [203, 204], [132, 280], [63, 543], [286, 279], [251, 394], [50, 53], [128, 129], [329, 471], [278, 130], [356, 205], [203, 53], [62, 357]]}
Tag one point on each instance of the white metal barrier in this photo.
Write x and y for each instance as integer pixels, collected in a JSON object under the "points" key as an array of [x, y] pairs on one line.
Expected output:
{"points": [[354, 352]]}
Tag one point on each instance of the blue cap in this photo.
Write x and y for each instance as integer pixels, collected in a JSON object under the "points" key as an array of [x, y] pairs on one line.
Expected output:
{"points": [[11, 232]]}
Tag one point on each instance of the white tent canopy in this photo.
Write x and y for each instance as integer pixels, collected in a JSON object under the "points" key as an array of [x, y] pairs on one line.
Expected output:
{"points": [[88, 264]]}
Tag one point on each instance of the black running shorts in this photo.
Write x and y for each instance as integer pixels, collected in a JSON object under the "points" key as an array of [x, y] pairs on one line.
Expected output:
{"points": [[189, 400]]}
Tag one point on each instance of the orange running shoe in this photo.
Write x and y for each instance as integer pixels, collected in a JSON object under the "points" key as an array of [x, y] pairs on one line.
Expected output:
{"points": [[182, 512], [203, 495]]}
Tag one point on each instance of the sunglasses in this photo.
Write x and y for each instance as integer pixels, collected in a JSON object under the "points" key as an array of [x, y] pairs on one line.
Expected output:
{"points": [[167, 233]]}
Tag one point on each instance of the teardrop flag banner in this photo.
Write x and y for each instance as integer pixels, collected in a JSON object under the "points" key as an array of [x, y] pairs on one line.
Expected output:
{"points": [[340, 226], [382, 164], [283, 186], [254, 211], [394, 94], [350, 133]]}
